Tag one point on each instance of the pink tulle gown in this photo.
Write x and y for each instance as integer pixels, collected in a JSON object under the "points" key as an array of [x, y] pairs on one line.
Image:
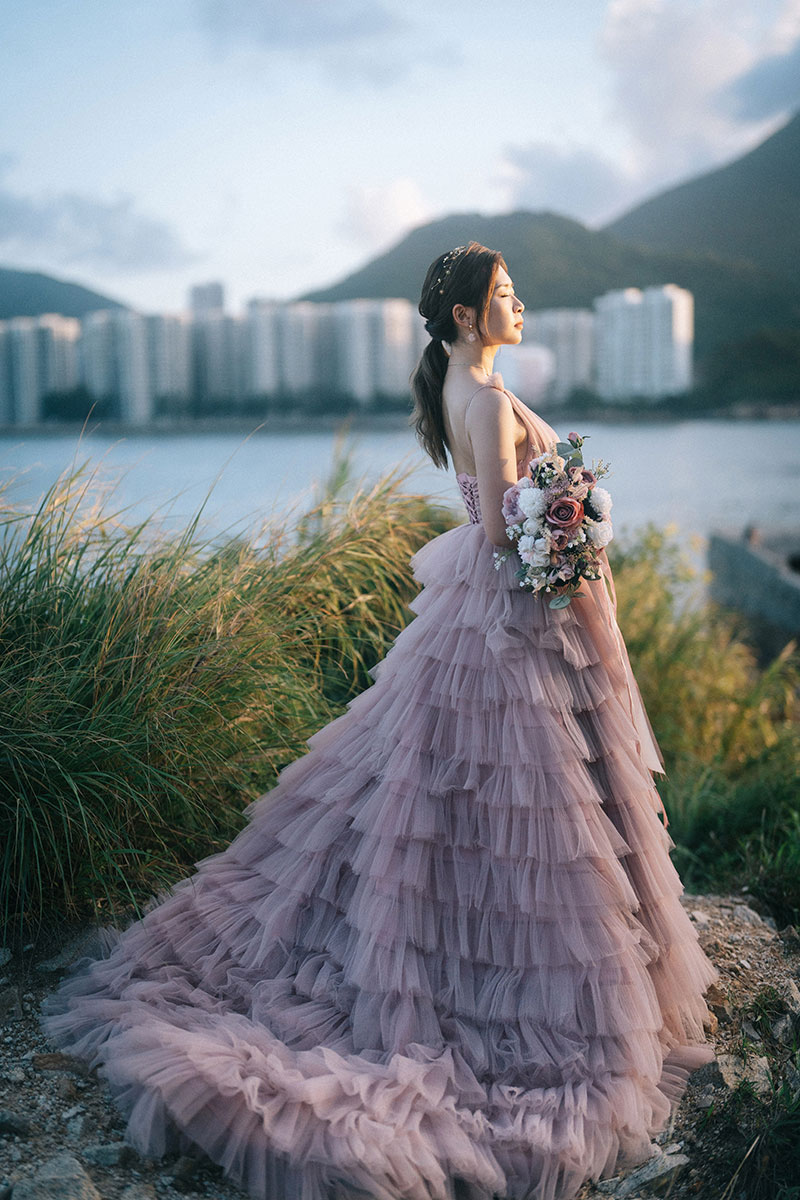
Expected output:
{"points": [[446, 957]]}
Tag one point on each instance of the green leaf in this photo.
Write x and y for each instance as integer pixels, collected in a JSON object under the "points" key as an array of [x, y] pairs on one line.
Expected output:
{"points": [[560, 601]]}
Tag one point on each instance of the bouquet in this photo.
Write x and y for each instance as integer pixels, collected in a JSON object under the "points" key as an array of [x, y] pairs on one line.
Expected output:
{"points": [[559, 520]]}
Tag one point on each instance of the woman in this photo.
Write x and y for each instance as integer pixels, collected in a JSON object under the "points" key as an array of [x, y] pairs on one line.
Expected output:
{"points": [[446, 956]]}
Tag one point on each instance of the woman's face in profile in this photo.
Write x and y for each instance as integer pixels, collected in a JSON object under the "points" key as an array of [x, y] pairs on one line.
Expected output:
{"points": [[504, 318]]}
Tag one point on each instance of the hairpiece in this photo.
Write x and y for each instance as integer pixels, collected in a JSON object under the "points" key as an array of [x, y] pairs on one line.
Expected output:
{"points": [[447, 265]]}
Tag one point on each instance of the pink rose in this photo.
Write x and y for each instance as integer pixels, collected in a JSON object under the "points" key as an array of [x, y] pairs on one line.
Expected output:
{"points": [[588, 476], [512, 513], [566, 571], [559, 539], [573, 437], [565, 513]]}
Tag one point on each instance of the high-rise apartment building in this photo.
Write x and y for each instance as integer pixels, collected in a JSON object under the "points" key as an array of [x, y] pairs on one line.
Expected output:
{"points": [[206, 297], [569, 334], [114, 362], [169, 361], [263, 374], [644, 342]]}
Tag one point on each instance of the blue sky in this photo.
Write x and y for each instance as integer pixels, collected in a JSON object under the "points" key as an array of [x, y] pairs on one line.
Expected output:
{"points": [[278, 144]]}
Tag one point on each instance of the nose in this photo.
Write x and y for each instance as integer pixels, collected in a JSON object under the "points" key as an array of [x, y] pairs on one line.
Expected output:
{"points": [[520, 306]]}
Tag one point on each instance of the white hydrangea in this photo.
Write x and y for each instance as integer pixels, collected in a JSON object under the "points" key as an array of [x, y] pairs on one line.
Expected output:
{"points": [[532, 502], [601, 499], [601, 533]]}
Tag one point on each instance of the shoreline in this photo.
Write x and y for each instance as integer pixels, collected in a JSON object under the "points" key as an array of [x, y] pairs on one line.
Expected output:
{"points": [[303, 422]]}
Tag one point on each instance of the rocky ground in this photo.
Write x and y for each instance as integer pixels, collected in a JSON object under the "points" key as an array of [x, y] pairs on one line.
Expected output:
{"points": [[61, 1138]]}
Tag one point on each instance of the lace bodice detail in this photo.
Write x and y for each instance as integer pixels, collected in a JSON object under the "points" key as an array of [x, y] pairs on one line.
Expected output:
{"points": [[469, 494]]}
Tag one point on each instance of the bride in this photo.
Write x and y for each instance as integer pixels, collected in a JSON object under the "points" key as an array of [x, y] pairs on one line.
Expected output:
{"points": [[446, 956]]}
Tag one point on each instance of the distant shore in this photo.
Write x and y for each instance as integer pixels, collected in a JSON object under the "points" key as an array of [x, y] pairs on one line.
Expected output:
{"points": [[390, 421]]}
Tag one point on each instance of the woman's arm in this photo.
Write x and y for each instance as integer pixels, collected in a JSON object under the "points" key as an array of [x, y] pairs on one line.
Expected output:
{"points": [[490, 424]]}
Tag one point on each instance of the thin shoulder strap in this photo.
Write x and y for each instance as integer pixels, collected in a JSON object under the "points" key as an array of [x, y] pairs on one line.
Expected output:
{"points": [[480, 389]]}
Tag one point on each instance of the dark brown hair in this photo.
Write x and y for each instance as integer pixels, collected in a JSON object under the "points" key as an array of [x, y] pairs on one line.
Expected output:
{"points": [[462, 276]]}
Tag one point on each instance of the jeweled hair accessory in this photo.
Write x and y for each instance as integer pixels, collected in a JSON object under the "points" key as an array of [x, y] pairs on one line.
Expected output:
{"points": [[447, 266]]}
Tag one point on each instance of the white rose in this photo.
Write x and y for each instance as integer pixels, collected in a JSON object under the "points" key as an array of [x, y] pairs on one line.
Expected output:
{"points": [[601, 499], [601, 533]]}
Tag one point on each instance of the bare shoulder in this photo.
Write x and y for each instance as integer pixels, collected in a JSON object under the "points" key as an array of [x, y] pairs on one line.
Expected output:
{"points": [[489, 408]]}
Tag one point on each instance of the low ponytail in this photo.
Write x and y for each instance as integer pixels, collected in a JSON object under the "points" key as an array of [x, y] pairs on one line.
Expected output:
{"points": [[426, 389], [462, 276]]}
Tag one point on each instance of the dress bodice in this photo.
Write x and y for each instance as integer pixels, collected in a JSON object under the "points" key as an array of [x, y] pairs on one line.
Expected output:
{"points": [[540, 435]]}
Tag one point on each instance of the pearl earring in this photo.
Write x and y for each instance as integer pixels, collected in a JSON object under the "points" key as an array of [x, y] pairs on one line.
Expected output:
{"points": [[471, 335]]}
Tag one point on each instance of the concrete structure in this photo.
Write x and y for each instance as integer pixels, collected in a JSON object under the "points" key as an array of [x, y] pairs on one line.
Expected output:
{"points": [[169, 361], [219, 360], [206, 297], [6, 389], [301, 334], [26, 378], [115, 362], [263, 375], [644, 342], [569, 334]]}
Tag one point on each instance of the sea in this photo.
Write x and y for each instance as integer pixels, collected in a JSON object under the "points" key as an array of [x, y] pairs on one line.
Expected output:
{"points": [[692, 476]]}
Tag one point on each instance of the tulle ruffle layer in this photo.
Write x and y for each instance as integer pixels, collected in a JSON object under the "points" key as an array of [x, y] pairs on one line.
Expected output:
{"points": [[447, 947]]}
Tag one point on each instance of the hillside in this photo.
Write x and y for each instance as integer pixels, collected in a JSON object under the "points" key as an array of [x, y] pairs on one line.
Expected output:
{"points": [[29, 293], [746, 210], [557, 262]]}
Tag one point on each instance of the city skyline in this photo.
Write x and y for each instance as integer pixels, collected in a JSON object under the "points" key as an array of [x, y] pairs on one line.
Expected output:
{"points": [[632, 345], [279, 145]]}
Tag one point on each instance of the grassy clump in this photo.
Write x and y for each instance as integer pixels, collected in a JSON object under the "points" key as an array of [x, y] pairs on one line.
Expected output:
{"points": [[729, 729], [153, 684]]}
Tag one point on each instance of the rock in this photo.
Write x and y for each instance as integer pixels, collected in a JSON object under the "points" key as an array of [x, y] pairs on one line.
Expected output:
{"points": [[783, 1029], [13, 1075], [137, 1191], [747, 915], [718, 1002], [656, 1176], [56, 1061], [94, 943], [10, 1005], [749, 1028], [11, 1122], [708, 1074], [700, 918], [65, 1088], [76, 1127], [792, 1076], [706, 1098], [756, 1070], [110, 1154], [5, 955], [790, 939], [60, 1178], [791, 994]]}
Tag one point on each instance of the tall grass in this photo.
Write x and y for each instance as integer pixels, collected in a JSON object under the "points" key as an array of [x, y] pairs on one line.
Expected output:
{"points": [[153, 683], [729, 729]]}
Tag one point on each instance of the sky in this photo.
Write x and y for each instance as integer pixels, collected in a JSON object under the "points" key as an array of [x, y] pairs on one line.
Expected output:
{"points": [[277, 145]]}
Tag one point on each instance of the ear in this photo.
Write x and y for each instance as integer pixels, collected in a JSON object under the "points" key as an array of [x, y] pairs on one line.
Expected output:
{"points": [[463, 317]]}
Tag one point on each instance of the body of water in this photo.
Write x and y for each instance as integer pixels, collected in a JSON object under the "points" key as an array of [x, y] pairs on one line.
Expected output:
{"points": [[696, 475]]}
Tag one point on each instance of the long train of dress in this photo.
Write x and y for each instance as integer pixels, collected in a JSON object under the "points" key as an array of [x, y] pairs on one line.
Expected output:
{"points": [[446, 955]]}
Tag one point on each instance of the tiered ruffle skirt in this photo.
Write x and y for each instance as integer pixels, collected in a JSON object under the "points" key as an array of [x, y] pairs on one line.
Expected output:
{"points": [[446, 956]]}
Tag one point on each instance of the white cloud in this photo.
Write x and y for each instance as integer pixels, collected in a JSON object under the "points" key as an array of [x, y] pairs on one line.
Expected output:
{"points": [[573, 181], [296, 24], [670, 59], [73, 230], [377, 216]]}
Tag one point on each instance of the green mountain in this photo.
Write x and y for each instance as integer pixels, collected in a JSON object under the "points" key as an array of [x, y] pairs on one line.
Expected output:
{"points": [[557, 262], [747, 210], [29, 294]]}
